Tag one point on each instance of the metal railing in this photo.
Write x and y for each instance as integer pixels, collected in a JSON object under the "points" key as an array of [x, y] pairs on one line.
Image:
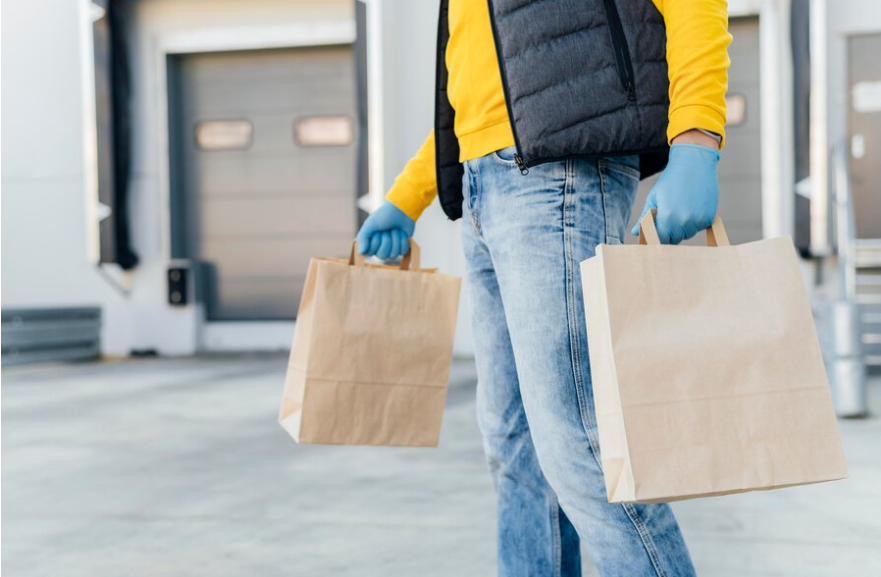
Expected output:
{"points": [[849, 370]]}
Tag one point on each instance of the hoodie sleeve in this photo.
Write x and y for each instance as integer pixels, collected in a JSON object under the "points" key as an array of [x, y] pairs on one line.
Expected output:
{"points": [[416, 186], [697, 63]]}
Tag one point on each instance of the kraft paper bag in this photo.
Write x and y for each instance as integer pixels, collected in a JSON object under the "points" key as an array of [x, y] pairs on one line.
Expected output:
{"points": [[371, 355], [707, 374]]}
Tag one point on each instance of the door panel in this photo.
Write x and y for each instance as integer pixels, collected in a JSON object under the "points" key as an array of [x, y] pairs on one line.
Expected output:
{"points": [[864, 119], [254, 214]]}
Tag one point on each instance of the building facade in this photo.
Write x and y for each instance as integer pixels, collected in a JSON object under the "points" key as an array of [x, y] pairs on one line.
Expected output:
{"points": [[260, 132]]}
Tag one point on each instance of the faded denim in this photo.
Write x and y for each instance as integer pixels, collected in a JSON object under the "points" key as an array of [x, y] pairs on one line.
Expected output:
{"points": [[523, 245]]}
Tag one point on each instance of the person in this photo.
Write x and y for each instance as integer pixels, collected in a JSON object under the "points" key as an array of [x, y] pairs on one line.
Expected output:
{"points": [[547, 115]]}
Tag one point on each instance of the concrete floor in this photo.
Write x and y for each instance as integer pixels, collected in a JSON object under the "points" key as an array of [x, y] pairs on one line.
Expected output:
{"points": [[178, 468]]}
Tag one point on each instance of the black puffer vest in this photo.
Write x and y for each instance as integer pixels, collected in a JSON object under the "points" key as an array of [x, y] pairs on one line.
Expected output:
{"points": [[582, 78]]}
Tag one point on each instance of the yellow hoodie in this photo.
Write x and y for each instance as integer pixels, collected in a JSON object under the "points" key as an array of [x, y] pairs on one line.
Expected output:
{"points": [[697, 59]]}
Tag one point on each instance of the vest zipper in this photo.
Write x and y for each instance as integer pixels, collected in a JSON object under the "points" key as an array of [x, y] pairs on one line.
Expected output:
{"points": [[622, 53], [521, 164]]}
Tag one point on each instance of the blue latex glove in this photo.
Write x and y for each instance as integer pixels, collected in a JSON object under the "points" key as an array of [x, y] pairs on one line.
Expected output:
{"points": [[686, 195], [386, 233]]}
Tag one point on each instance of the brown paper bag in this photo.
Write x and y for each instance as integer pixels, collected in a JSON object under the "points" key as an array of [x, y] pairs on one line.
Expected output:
{"points": [[371, 355], [707, 374]]}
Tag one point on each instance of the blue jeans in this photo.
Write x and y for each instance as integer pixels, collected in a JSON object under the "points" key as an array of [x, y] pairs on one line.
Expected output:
{"points": [[524, 237]]}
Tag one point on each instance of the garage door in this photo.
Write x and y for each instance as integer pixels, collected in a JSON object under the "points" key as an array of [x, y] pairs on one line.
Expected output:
{"points": [[264, 162], [864, 120]]}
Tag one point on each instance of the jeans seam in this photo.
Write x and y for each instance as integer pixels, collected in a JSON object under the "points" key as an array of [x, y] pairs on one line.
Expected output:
{"points": [[603, 197], [645, 537], [568, 255], [629, 510], [571, 298], [633, 515], [473, 192], [558, 539]]}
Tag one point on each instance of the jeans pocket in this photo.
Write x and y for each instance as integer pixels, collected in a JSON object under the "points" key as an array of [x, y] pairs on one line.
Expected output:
{"points": [[619, 178], [505, 156], [625, 165], [613, 240], [466, 188]]}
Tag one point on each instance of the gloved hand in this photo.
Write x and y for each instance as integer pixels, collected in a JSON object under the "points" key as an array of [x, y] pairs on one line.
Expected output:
{"points": [[386, 233], [686, 195]]}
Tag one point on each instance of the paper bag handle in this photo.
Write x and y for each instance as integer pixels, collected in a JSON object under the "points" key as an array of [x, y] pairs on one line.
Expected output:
{"points": [[411, 260], [648, 234]]}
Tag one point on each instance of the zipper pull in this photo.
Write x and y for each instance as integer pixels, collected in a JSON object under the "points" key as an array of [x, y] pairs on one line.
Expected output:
{"points": [[631, 93], [524, 170]]}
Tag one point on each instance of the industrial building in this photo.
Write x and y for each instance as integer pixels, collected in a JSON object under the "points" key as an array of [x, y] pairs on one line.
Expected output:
{"points": [[169, 168], [171, 165]]}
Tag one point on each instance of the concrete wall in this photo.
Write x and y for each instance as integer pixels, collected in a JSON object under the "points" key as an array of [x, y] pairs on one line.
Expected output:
{"points": [[408, 45]]}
